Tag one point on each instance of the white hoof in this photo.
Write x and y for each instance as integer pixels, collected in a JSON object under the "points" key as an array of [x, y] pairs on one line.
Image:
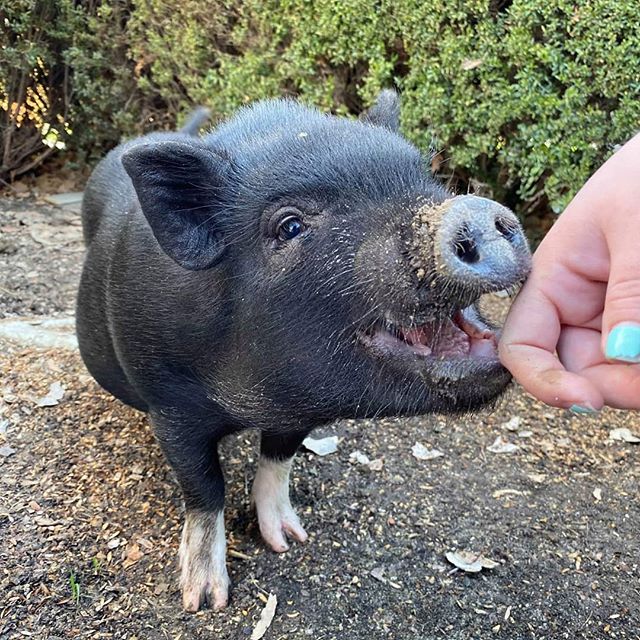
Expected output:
{"points": [[204, 577], [276, 516]]}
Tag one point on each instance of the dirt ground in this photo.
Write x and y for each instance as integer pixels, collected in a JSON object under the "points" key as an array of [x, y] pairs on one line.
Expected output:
{"points": [[90, 513]]}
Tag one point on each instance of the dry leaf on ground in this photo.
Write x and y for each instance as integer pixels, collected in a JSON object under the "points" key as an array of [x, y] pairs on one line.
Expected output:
{"points": [[509, 492], [421, 452], [470, 561], [6, 451], [378, 574], [623, 434], [359, 458], [502, 446], [513, 424], [53, 397], [266, 617], [321, 446]]}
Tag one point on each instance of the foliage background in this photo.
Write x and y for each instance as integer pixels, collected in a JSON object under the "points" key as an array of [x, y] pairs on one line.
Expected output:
{"points": [[523, 100]]}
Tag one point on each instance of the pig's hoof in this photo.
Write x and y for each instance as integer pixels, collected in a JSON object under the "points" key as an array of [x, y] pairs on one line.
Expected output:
{"points": [[276, 516], [277, 524], [203, 571], [197, 590]]}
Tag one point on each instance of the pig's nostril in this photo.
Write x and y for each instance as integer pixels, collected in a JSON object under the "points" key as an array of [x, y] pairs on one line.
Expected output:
{"points": [[506, 228], [465, 248]]}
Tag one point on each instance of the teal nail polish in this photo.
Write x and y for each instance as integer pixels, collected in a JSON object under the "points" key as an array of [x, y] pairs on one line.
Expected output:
{"points": [[623, 343], [582, 409]]}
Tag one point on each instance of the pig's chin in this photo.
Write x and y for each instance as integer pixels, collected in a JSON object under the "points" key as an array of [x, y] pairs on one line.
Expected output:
{"points": [[463, 339]]}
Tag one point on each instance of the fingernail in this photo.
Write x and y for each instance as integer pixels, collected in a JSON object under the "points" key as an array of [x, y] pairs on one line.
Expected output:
{"points": [[582, 409], [623, 343]]}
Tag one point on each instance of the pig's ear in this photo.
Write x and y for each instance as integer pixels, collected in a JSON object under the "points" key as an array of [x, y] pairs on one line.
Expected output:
{"points": [[180, 188], [385, 111]]}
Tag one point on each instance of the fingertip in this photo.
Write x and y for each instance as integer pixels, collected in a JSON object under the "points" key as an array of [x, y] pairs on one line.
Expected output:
{"points": [[544, 377], [623, 343], [565, 390], [582, 409]]}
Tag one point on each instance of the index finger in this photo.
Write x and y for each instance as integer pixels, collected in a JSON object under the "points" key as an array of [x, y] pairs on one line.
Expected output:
{"points": [[528, 349]]}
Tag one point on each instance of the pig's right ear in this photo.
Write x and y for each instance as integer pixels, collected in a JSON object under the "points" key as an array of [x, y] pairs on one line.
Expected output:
{"points": [[385, 111], [180, 188]]}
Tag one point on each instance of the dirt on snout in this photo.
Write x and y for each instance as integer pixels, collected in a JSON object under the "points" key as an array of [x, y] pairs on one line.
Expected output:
{"points": [[90, 513]]}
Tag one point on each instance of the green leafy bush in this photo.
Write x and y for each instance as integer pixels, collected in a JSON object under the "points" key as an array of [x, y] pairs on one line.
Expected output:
{"points": [[523, 99], [33, 105], [65, 80]]}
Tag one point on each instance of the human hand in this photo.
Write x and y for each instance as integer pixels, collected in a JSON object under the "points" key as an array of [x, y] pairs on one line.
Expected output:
{"points": [[572, 337]]}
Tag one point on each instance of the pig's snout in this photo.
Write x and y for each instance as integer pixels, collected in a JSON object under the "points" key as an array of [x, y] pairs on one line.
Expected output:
{"points": [[481, 244]]}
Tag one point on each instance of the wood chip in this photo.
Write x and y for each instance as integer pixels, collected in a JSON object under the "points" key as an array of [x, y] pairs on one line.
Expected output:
{"points": [[132, 554]]}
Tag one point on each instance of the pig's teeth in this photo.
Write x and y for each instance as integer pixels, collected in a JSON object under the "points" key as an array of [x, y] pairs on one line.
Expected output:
{"points": [[204, 575], [270, 495], [468, 321]]}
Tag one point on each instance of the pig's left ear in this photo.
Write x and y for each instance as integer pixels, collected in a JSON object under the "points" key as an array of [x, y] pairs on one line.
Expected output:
{"points": [[180, 188], [385, 111]]}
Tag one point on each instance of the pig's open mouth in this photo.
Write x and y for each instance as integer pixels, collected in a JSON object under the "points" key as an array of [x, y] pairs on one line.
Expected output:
{"points": [[462, 337]]}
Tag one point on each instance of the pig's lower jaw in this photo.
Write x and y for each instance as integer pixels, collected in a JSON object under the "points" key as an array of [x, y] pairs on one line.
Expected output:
{"points": [[464, 338]]}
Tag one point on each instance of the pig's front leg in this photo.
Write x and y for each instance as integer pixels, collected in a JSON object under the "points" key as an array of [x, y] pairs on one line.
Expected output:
{"points": [[270, 492], [193, 453]]}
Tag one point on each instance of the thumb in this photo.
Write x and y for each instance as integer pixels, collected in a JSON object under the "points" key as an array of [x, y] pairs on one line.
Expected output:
{"points": [[621, 317]]}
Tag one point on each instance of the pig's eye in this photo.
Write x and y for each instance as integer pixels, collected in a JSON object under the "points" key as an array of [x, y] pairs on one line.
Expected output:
{"points": [[290, 227]]}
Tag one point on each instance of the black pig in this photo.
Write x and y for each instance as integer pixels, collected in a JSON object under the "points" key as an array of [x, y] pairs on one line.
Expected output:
{"points": [[287, 269]]}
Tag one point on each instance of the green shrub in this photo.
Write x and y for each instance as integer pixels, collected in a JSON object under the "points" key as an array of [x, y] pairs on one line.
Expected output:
{"points": [[523, 99], [526, 98], [65, 80], [33, 102]]}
